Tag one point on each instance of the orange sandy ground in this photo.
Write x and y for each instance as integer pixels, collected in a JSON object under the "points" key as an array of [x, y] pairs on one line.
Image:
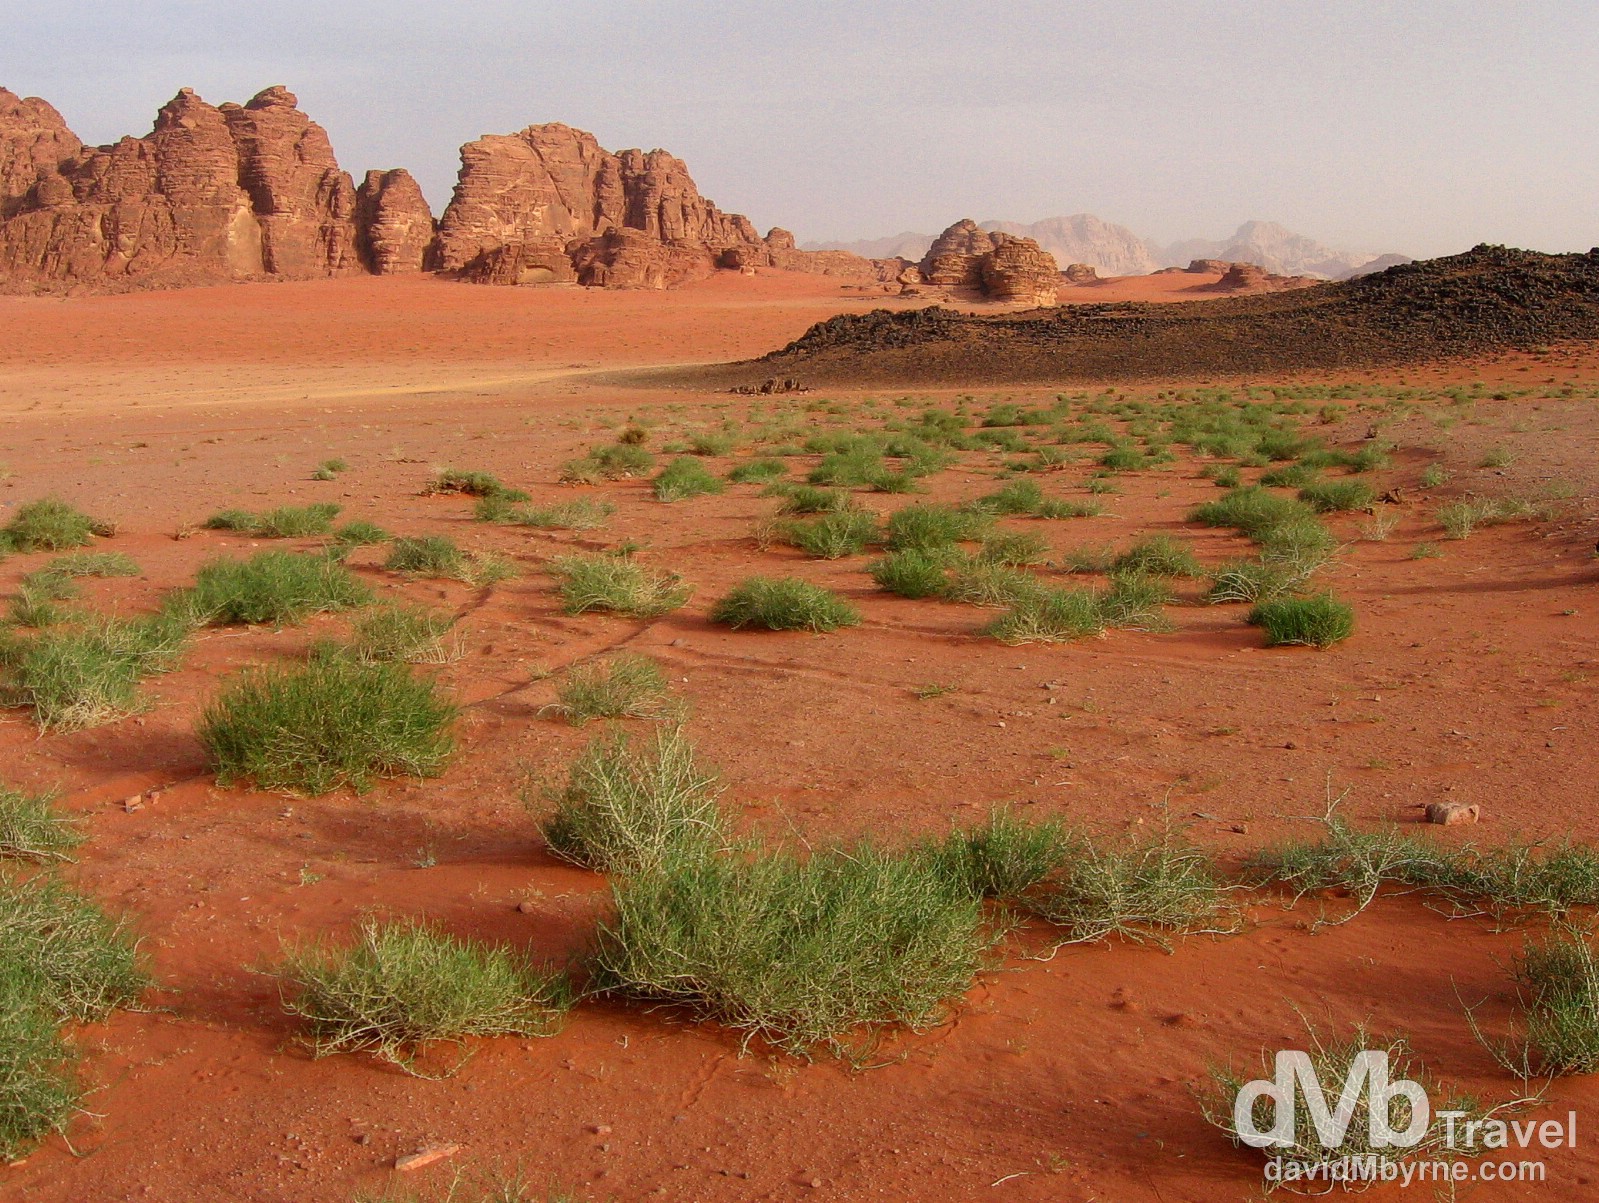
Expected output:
{"points": [[1471, 677]]}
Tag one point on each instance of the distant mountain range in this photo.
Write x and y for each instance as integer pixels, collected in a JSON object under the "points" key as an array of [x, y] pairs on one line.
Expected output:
{"points": [[1115, 250]]}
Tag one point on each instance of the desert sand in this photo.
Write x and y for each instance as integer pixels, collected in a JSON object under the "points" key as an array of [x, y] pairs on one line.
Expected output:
{"points": [[1472, 676]]}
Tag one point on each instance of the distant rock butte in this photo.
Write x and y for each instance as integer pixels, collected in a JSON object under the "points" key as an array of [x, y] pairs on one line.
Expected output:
{"points": [[1249, 277], [550, 205], [254, 191], [210, 193], [1001, 266]]}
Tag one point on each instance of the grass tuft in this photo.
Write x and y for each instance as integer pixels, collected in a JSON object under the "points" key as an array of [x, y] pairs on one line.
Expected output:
{"points": [[49, 524], [625, 686], [275, 587], [618, 584], [1318, 621], [31, 828], [404, 985], [801, 952], [686, 477], [333, 723], [784, 604], [625, 809]]}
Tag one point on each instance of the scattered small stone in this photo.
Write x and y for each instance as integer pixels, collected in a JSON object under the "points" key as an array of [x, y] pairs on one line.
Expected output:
{"points": [[427, 1156], [527, 906], [132, 803], [600, 1129], [1450, 814]]}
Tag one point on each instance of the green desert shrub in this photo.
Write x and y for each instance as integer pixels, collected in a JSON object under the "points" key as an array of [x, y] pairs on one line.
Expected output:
{"points": [[87, 563], [472, 484], [31, 828], [38, 600], [1138, 890], [624, 809], [1332, 496], [1250, 581], [49, 524], [285, 522], [978, 582], [1134, 602], [82, 676], [439, 556], [610, 462], [1318, 621], [1558, 982], [359, 533], [686, 477], [1015, 550], [404, 985], [710, 442], [807, 499], [618, 584], [1048, 616], [1158, 555], [80, 963], [1006, 858], [625, 686], [758, 471], [832, 536], [61, 959], [930, 527], [1292, 476], [582, 514], [822, 951], [914, 574], [274, 587], [38, 1090], [1018, 498], [395, 633], [783, 604], [1251, 510], [335, 722]]}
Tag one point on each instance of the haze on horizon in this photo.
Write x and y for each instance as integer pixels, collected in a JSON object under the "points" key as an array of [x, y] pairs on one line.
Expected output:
{"points": [[1422, 127]]}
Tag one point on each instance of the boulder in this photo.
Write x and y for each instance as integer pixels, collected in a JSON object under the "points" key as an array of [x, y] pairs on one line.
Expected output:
{"points": [[1080, 273]]}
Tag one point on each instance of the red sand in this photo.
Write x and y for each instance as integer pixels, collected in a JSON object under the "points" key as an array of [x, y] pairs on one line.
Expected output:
{"points": [[1471, 677]]}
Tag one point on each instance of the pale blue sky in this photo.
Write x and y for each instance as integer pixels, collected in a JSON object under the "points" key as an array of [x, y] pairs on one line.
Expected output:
{"points": [[1412, 125]]}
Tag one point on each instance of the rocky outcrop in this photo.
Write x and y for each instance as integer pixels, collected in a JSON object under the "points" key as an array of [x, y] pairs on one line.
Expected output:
{"points": [[1080, 273], [1250, 277], [209, 194], [1000, 266], [303, 203], [394, 228], [254, 190], [1208, 267], [633, 219]]}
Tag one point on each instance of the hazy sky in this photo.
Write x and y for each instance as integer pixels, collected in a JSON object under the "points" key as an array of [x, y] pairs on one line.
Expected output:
{"points": [[1411, 125]]}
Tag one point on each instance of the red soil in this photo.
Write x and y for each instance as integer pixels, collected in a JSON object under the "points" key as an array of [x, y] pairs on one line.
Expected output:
{"points": [[1471, 677]]}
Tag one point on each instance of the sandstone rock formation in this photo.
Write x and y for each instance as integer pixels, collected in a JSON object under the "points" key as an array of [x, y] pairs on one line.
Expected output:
{"points": [[525, 202], [304, 204], [1084, 238], [1250, 277], [999, 265], [1080, 273], [209, 194], [248, 191], [394, 228]]}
